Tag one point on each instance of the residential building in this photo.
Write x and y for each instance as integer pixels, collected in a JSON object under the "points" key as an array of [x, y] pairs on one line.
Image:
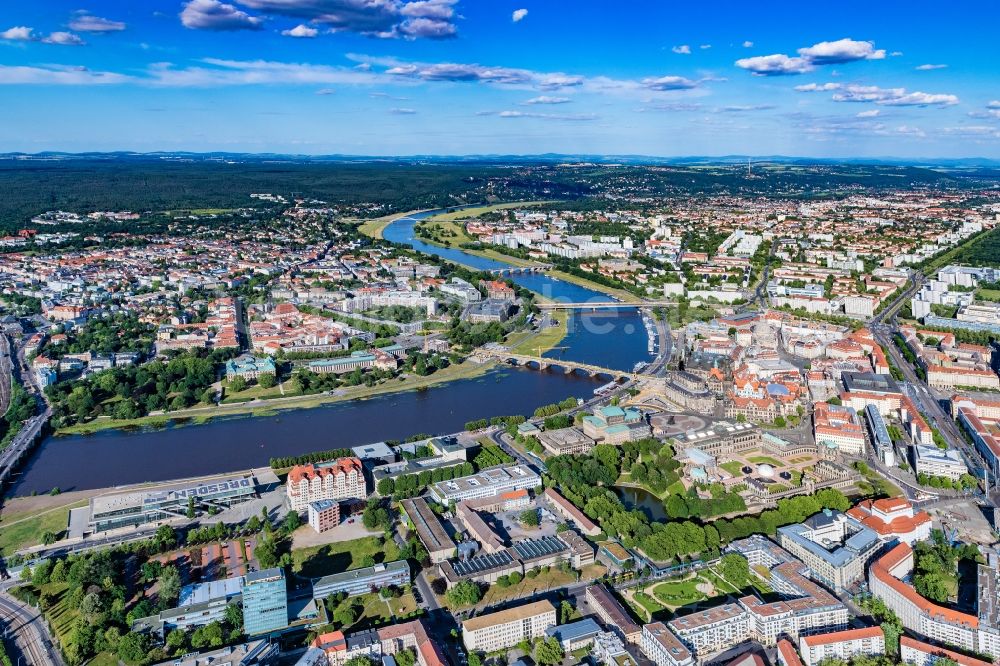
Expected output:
{"points": [[843, 645], [664, 648], [343, 478], [708, 631], [921, 616], [265, 602], [604, 604], [918, 653], [507, 628], [324, 514]]}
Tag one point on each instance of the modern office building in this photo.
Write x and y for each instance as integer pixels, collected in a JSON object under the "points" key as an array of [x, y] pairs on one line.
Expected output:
{"points": [[835, 547], [575, 635], [324, 514], [663, 647], [265, 602], [507, 628], [343, 478], [487, 483], [129, 509], [932, 461], [251, 653], [364, 580], [843, 645]]}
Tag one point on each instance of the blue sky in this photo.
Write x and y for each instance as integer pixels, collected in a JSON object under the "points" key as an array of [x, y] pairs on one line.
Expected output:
{"points": [[455, 77]]}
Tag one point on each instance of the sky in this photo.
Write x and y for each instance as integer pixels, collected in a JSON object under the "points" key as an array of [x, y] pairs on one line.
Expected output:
{"points": [[464, 77]]}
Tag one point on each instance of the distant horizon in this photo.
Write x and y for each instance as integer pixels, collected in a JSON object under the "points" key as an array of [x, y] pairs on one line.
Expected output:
{"points": [[458, 77], [721, 159]]}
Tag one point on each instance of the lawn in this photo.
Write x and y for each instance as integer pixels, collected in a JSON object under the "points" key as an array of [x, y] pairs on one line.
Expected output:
{"points": [[340, 556], [551, 579], [733, 467], [104, 659], [766, 460], [722, 586], [678, 592], [403, 605], [647, 602], [988, 295], [19, 531]]}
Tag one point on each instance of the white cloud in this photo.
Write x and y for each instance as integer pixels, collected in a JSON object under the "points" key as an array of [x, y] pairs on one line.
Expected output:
{"points": [[892, 96], [301, 30], [325, 91], [926, 68], [683, 49], [518, 15], [840, 51], [822, 53], [705, 46], [387, 19], [87, 23], [896, 54], [403, 111], [777, 64], [995, 104], [669, 83], [546, 99], [573, 117], [872, 113], [63, 39], [55, 75], [747, 44], [818, 87], [215, 15], [18, 33]]}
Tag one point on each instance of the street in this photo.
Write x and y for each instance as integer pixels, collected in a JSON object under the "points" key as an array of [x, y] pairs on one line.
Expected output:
{"points": [[32, 644]]}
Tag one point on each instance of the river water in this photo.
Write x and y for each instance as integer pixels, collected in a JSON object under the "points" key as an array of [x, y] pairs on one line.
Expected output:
{"points": [[615, 339]]}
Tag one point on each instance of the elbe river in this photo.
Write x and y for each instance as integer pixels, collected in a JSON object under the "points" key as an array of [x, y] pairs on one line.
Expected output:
{"points": [[615, 339]]}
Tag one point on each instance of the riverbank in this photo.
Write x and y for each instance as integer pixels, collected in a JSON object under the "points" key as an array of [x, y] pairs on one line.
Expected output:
{"points": [[374, 228], [449, 221], [258, 408]]}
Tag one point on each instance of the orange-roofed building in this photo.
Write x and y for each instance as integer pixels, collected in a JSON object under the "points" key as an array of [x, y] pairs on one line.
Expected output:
{"points": [[787, 656], [893, 518], [343, 478], [919, 615], [868, 641], [918, 653]]}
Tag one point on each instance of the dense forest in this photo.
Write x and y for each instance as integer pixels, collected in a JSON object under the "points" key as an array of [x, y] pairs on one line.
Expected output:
{"points": [[158, 183]]}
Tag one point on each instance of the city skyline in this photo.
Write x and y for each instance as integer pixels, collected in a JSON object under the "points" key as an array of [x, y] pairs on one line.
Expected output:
{"points": [[456, 78]]}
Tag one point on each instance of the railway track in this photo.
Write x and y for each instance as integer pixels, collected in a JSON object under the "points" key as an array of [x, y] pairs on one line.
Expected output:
{"points": [[6, 373]]}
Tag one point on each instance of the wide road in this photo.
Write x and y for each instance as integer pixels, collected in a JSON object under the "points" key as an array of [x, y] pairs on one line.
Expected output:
{"points": [[32, 642]]}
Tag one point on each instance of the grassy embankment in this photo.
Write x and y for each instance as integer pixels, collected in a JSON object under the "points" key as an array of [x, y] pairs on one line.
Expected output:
{"points": [[23, 529], [270, 407]]}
